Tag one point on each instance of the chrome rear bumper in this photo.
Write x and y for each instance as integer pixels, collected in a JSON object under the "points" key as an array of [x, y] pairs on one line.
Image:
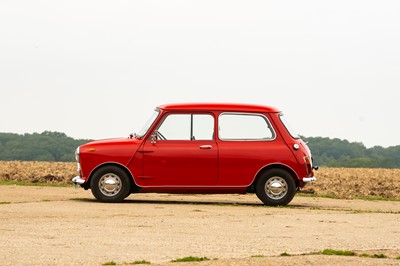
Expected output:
{"points": [[309, 179]]}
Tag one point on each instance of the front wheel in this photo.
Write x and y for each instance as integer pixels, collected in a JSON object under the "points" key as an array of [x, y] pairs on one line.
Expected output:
{"points": [[276, 187], [110, 184]]}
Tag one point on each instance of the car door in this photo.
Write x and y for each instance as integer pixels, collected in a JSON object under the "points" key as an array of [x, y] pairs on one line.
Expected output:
{"points": [[182, 151], [247, 142]]}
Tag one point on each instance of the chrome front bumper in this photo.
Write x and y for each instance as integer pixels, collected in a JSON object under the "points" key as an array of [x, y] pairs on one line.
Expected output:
{"points": [[78, 180], [309, 179]]}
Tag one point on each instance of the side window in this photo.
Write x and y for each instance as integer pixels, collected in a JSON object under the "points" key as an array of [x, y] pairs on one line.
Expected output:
{"points": [[187, 127], [244, 127], [175, 127], [203, 127]]}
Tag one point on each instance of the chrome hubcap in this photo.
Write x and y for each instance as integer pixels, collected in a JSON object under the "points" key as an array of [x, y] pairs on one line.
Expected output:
{"points": [[276, 187], [110, 184]]}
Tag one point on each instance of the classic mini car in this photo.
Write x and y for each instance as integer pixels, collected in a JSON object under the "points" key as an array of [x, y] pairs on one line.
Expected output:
{"points": [[200, 148]]}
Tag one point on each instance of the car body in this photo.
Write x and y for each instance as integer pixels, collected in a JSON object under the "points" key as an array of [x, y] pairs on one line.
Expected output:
{"points": [[200, 148]]}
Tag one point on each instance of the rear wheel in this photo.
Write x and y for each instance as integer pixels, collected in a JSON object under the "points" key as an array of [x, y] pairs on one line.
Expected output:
{"points": [[275, 187], [110, 184]]}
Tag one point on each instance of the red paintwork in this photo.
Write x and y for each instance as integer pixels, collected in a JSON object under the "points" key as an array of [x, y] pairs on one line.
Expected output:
{"points": [[227, 107], [182, 167]]}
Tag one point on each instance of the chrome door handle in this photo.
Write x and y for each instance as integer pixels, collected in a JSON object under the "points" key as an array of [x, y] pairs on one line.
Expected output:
{"points": [[205, 147]]}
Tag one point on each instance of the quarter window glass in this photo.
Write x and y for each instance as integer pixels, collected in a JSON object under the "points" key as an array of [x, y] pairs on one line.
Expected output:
{"points": [[187, 127], [289, 128], [244, 127]]}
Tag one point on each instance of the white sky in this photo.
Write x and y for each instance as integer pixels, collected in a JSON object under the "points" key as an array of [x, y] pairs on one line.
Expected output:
{"points": [[96, 69]]}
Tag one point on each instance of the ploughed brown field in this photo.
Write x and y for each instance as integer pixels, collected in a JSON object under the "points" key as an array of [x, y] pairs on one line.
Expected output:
{"points": [[345, 183]]}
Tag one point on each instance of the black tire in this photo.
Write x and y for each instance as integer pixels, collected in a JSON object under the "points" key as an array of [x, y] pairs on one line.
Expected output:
{"points": [[110, 184], [276, 187]]}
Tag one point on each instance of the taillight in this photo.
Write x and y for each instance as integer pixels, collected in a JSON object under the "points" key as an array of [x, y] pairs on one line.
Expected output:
{"points": [[307, 160]]}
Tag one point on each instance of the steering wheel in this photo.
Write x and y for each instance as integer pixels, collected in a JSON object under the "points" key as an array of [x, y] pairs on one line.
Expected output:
{"points": [[160, 136]]}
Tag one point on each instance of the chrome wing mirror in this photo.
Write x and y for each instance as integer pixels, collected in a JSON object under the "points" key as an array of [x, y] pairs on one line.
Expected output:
{"points": [[153, 138]]}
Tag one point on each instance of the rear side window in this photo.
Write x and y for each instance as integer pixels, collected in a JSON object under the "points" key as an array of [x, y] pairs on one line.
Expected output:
{"points": [[233, 126], [288, 127]]}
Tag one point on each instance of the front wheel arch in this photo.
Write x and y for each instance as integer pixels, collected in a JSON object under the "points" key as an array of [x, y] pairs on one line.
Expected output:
{"points": [[123, 167], [132, 184]]}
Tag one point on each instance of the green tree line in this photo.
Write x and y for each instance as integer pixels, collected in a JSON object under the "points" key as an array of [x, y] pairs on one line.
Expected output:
{"points": [[46, 146], [58, 147], [342, 153]]}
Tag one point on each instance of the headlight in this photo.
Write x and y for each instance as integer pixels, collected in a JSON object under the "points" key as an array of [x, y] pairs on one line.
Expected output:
{"points": [[77, 154]]}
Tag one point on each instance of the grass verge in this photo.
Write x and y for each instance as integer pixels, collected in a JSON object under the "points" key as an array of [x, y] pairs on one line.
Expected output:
{"points": [[338, 252], [35, 184], [376, 256], [331, 196], [190, 258], [136, 262]]}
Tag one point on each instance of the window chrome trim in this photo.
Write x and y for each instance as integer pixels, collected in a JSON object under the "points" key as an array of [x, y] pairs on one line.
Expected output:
{"points": [[249, 114]]}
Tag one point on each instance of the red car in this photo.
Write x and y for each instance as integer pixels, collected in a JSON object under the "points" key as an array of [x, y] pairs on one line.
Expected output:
{"points": [[200, 148]]}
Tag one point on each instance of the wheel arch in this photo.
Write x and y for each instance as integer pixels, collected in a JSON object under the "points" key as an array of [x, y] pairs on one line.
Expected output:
{"points": [[132, 182], [268, 167]]}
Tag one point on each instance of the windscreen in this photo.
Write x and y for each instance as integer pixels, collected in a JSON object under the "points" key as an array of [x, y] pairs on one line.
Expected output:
{"points": [[148, 124]]}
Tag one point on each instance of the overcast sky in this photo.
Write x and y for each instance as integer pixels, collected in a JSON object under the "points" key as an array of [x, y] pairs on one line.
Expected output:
{"points": [[96, 69]]}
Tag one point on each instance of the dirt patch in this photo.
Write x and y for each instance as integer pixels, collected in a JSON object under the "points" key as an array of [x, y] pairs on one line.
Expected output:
{"points": [[64, 226]]}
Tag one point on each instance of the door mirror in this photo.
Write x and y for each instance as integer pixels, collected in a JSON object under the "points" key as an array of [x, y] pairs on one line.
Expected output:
{"points": [[153, 138]]}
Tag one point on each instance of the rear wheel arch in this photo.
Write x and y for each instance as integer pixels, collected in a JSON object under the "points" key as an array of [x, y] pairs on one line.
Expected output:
{"points": [[271, 167], [275, 187]]}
